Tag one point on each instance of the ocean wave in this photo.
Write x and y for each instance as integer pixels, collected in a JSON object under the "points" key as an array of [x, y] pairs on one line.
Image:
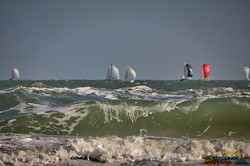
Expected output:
{"points": [[195, 118], [99, 108], [37, 149], [138, 92]]}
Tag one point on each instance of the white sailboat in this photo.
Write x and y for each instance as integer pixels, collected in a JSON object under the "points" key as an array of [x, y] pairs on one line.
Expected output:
{"points": [[15, 74], [130, 74], [113, 73], [246, 73], [188, 72]]}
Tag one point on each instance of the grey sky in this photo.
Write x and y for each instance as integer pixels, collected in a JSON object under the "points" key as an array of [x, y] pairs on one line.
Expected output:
{"points": [[77, 39]]}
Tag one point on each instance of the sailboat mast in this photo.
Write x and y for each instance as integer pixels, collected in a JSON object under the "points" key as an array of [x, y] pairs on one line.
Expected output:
{"points": [[202, 71], [111, 72], [185, 72]]}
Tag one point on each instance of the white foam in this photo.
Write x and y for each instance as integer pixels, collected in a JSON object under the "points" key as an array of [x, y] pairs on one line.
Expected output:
{"points": [[146, 93], [240, 103], [134, 110], [28, 149], [204, 131], [193, 106], [46, 91], [83, 91], [76, 111], [23, 107], [72, 111], [139, 92]]}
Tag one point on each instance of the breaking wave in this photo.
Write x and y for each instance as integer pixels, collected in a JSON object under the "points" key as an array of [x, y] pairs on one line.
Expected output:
{"points": [[37, 149], [45, 122]]}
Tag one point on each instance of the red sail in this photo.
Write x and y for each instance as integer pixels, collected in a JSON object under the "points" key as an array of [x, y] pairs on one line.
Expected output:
{"points": [[206, 71]]}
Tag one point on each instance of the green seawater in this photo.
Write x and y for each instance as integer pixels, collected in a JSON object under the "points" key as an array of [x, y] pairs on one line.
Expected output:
{"points": [[175, 109]]}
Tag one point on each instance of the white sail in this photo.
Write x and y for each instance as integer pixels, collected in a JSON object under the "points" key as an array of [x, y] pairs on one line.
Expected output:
{"points": [[130, 74], [108, 77], [15, 74], [113, 73], [246, 73]]}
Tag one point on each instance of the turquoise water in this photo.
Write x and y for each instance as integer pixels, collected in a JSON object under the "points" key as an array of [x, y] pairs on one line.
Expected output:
{"points": [[174, 109]]}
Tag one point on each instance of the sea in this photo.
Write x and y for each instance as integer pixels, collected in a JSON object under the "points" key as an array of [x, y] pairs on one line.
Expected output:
{"points": [[127, 123]]}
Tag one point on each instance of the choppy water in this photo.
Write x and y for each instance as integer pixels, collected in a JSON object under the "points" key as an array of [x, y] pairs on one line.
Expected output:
{"points": [[190, 114]]}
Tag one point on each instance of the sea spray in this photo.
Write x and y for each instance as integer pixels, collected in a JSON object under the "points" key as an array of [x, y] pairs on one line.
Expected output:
{"points": [[38, 149]]}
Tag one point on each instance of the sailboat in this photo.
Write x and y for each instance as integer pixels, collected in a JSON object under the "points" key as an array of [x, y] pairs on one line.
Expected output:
{"points": [[246, 72], [130, 74], [113, 73], [15, 74], [188, 72], [206, 69]]}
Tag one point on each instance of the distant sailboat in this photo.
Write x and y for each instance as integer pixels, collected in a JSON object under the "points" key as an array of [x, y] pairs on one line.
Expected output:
{"points": [[130, 74], [246, 73], [113, 73], [188, 72], [206, 69], [15, 74]]}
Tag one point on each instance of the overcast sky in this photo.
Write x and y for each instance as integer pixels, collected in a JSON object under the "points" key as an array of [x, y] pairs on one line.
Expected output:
{"points": [[77, 39]]}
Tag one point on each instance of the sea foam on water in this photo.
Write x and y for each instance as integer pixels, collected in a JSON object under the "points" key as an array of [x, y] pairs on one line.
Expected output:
{"points": [[37, 149]]}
